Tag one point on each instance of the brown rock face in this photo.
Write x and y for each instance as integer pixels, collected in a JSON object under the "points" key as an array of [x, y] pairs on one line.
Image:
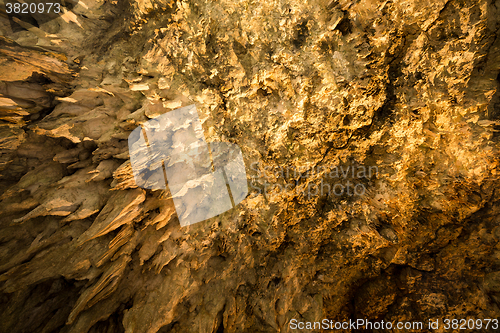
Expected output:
{"points": [[369, 131]]}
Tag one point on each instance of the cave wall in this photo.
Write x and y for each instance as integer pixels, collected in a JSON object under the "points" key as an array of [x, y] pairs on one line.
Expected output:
{"points": [[408, 88]]}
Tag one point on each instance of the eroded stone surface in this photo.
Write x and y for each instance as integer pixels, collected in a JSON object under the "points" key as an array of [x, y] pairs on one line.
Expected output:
{"points": [[408, 87]]}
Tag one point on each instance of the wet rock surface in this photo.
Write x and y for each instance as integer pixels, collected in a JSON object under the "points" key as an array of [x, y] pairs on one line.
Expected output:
{"points": [[400, 99]]}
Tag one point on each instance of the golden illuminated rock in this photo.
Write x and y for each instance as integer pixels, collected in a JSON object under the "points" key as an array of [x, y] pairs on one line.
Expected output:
{"points": [[369, 131]]}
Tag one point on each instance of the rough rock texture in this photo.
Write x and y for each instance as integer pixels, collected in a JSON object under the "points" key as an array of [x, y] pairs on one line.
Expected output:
{"points": [[410, 87]]}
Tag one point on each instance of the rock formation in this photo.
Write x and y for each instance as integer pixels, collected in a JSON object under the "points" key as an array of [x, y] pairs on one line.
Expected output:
{"points": [[399, 98]]}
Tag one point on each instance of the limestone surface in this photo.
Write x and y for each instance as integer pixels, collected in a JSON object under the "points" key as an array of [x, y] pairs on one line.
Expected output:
{"points": [[369, 131]]}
